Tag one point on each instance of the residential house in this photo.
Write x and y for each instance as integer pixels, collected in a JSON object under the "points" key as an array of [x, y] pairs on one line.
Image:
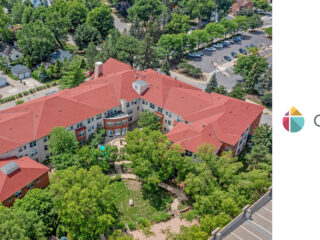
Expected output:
{"points": [[60, 55], [239, 5], [18, 176], [20, 71], [11, 53], [114, 99]]}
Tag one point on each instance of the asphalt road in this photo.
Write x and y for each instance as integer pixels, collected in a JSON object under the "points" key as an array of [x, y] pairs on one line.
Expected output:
{"points": [[210, 61]]}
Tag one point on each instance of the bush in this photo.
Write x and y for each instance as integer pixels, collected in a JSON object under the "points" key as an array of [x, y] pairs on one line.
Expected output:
{"points": [[143, 222], [25, 93], [35, 75], [161, 217], [132, 226], [121, 225], [117, 177], [190, 70], [19, 101], [267, 99]]}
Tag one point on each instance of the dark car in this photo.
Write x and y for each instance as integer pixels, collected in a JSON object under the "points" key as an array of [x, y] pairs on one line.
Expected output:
{"points": [[224, 44], [218, 46], [243, 51], [236, 40], [227, 58], [234, 54]]}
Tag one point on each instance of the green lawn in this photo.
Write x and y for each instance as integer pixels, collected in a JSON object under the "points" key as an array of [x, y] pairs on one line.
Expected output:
{"points": [[151, 207]]}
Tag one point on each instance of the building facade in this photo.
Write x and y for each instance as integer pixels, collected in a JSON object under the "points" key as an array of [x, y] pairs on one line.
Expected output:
{"points": [[114, 99]]}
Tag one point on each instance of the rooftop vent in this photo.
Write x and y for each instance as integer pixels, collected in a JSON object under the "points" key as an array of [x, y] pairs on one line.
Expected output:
{"points": [[10, 168], [140, 86]]}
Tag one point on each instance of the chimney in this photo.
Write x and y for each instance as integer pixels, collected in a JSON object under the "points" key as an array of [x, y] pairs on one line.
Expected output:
{"points": [[98, 69]]}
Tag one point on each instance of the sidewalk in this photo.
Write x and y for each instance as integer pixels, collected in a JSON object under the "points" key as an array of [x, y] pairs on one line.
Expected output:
{"points": [[196, 83]]}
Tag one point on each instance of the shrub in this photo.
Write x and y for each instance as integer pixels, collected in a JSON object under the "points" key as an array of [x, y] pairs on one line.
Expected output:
{"points": [[267, 99], [19, 101], [143, 222], [190, 70], [121, 225], [132, 226], [117, 177], [161, 217], [25, 93]]}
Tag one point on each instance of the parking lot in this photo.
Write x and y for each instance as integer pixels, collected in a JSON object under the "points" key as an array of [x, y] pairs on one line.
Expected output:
{"points": [[214, 62]]}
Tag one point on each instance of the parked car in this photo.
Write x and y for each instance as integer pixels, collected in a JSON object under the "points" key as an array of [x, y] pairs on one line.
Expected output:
{"points": [[236, 39], [227, 42], [88, 74], [234, 54], [231, 41], [227, 58], [224, 44], [210, 49], [194, 55], [219, 45], [243, 51], [201, 53], [239, 37]]}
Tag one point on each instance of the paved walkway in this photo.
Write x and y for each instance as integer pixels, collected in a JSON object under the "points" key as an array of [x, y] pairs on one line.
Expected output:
{"points": [[265, 110], [189, 80]]}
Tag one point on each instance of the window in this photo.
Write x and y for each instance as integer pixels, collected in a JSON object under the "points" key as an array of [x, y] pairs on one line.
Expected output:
{"points": [[71, 128], [20, 149], [165, 121], [37, 159], [151, 105], [124, 121], [109, 124], [143, 101], [89, 129], [240, 142], [89, 121], [47, 156], [117, 132], [99, 125], [128, 104], [138, 108], [79, 125], [169, 122], [18, 194], [170, 114], [227, 149], [129, 111], [45, 147], [99, 116], [30, 185], [130, 118], [32, 144], [115, 110], [81, 133], [179, 119], [34, 153], [24, 147], [124, 130], [159, 109], [118, 123], [135, 101], [45, 139]]}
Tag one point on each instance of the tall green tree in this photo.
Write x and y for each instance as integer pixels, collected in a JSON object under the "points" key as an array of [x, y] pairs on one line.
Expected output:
{"points": [[77, 14], [84, 201], [6, 35], [40, 202], [178, 24], [201, 9], [230, 26], [215, 30], [144, 9], [262, 4], [73, 75], [18, 224], [62, 141], [91, 55], [127, 49], [212, 84], [255, 21], [221, 90], [165, 66], [136, 29], [101, 19], [37, 41], [238, 92], [147, 54], [149, 120], [85, 34], [91, 4], [201, 36]]}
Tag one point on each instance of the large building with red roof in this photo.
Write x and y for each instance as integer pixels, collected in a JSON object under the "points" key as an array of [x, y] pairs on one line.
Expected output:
{"points": [[114, 98], [18, 176]]}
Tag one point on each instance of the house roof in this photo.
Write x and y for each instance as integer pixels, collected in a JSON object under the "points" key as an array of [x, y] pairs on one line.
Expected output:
{"points": [[35, 119], [28, 171], [59, 55], [8, 50], [18, 69], [243, 3]]}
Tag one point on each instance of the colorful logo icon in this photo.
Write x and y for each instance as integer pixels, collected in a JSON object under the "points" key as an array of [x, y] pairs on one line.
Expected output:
{"points": [[293, 121]]}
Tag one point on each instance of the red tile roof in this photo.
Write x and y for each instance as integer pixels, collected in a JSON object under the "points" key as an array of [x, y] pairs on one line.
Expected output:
{"points": [[29, 170], [35, 119]]}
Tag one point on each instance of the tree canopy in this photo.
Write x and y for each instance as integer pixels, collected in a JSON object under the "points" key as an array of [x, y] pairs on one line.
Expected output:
{"points": [[101, 19], [84, 202], [149, 120]]}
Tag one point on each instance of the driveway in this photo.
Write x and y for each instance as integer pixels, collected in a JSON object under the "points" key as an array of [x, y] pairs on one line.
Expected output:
{"points": [[120, 24], [214, 62]]}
